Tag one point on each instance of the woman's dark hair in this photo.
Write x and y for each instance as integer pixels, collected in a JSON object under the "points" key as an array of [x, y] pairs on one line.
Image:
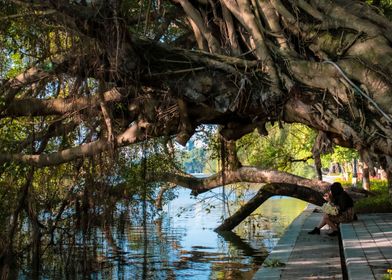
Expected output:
{"points": [[336, 189]]}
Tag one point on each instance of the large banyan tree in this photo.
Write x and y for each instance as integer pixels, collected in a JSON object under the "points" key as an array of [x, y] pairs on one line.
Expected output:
{"points": [[90, 77]]}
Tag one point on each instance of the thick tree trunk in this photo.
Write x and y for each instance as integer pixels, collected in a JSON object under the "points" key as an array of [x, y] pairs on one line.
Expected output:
{"points": [[229, 157], [387, 166], [318, 166], [389, 179], [355, 173], [365, 177]]}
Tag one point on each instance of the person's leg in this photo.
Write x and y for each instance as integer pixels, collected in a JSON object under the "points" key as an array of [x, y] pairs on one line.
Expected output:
{"points": [[331, 224], [322, 223]]}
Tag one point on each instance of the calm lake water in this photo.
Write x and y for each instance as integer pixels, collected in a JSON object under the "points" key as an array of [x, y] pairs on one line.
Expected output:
{"points": [[177, 243], [209, 255]]}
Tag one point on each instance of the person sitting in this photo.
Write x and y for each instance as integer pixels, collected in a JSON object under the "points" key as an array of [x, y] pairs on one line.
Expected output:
{"points": [[337, 197]]}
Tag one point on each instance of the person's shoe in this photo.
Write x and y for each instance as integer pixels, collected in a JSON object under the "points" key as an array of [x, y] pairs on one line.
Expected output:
{"points": [[334, 233], [316, 230]]}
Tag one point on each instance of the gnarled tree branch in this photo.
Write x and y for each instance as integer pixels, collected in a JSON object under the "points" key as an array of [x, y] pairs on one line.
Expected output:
{"points": [[243, 174]]}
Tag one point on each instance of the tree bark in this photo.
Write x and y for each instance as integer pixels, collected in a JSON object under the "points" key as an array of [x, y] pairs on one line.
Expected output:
{"points": [[248, 174], [365, 177], [387, 166], [389, 179], [263, 194], [318, 166]]}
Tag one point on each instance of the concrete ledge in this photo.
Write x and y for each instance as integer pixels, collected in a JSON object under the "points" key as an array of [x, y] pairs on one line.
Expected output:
{"points": [[284, 247]]}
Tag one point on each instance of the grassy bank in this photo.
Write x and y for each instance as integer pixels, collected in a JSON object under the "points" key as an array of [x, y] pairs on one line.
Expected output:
{"points": [[379, 202]]}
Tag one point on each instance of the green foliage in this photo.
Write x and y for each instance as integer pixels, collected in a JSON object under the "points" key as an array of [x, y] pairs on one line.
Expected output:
{"points": [[379, 186], [384, 6], [342, 154], [287, 149], [136, 164], [12, 177], [194, 159], [203, 151], [51, 186], [12, 131], [379, 203]]}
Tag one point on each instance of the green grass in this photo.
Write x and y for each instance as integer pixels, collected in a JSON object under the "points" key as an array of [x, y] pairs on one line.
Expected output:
{"points": [[379, 203]]}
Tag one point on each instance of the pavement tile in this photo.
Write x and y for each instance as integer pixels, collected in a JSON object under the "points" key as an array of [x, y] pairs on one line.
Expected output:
{"points": [[370, 255], [367, 247], [311, 256]]}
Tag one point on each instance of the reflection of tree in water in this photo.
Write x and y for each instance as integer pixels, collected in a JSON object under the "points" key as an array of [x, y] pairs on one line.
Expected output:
{"points": [[96, 242], [94, 232], [72, 222]]}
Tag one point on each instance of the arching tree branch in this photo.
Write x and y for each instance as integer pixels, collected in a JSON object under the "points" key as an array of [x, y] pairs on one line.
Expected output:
{"points": [[265, 192], [242, 174]]}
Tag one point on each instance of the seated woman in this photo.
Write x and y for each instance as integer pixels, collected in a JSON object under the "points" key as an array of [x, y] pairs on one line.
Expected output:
{"points": [[344, 203]]}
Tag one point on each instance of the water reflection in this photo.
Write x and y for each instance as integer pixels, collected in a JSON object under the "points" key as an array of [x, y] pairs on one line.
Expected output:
{"points": [[131, 242]]}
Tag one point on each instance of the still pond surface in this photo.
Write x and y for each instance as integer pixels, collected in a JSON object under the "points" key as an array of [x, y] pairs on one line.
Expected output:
{"points": [[178, 243]]}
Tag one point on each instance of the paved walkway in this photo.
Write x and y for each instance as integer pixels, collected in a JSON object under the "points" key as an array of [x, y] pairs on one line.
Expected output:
{"points": [[367, 247], [304, 256]]}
